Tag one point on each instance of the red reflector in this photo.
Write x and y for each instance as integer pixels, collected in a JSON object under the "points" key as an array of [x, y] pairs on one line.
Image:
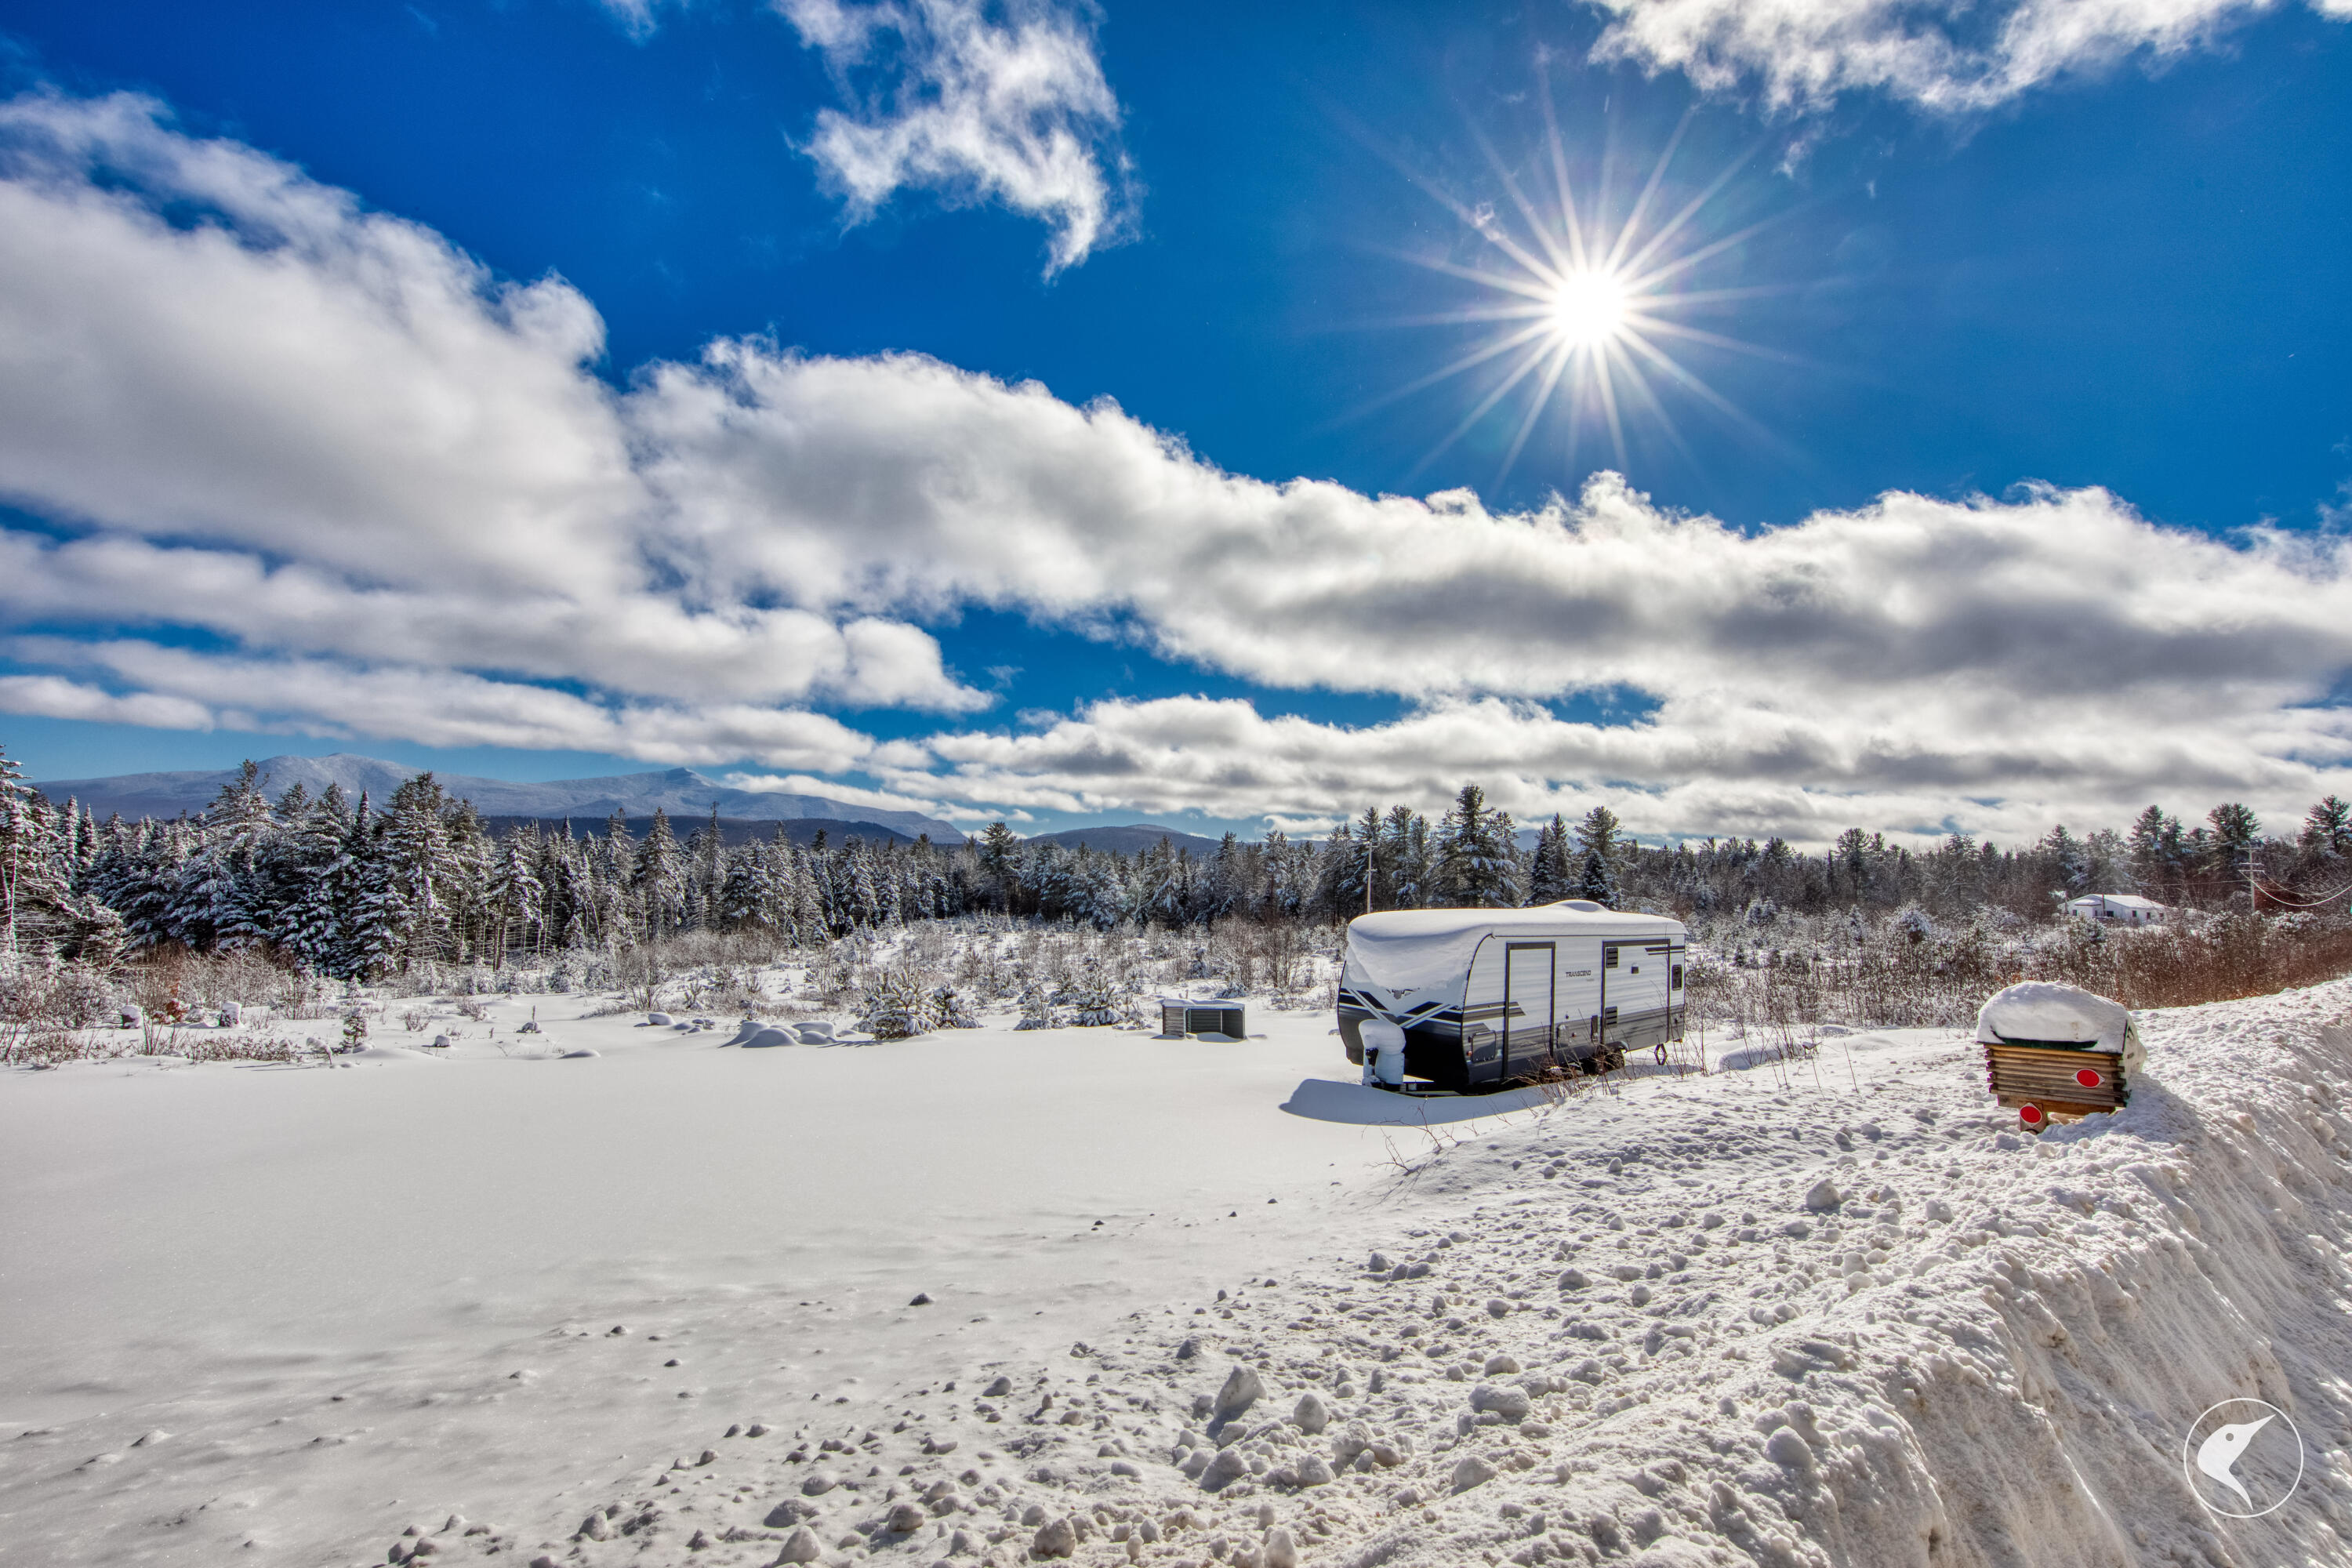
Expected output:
{"points": [[2089, 1078], [2029, 1114]]}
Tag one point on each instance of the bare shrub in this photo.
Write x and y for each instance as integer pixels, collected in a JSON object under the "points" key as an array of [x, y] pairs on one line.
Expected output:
{"points": [[1897, 976], [244, 1046], [641, 972]]}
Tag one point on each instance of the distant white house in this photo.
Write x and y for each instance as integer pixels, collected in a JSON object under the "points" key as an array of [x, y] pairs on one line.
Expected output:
{"points": [[2122, 908]]}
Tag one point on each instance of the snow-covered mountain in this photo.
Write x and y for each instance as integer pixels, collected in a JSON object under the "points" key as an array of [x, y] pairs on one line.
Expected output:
{"points": [[681, 792], [1132, 839]]}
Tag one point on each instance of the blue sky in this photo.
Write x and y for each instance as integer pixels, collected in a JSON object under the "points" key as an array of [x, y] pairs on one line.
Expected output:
{"points": [[2015, 492]]}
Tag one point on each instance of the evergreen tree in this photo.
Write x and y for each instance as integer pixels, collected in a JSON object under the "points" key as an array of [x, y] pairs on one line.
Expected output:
{"points": [[659, 880], [1404, 851], [1036, 1009], [1549, 878], [514, 897], [419, 869], [901, 1004], [2236, 835], [28, 872], [371, 901], [1597, 832], [1477, 863], [999, 858], [2068, 862], [1599, 880], [2154, 846], [2327, 828]]}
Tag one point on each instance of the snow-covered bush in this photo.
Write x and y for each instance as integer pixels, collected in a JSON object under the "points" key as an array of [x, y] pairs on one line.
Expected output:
{"points": [[1090, 998], [948, 1006], [1036, 1009], [900, 1005]]}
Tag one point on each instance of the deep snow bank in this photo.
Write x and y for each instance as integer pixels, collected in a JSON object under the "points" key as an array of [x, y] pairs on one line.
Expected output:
{"points": [[1737, 1319]]}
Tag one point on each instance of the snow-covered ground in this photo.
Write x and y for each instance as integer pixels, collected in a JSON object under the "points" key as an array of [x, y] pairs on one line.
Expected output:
{"points": [[340, 1303]]}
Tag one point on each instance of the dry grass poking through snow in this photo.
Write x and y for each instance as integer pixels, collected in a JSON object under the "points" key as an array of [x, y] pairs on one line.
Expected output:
{"points": [[1799, 973]]}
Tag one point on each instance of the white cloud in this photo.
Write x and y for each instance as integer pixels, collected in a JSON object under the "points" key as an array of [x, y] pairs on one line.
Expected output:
{"points": [[1948, 55], [393, 493], [182, 688], [900, 482], [1690, 769], [52, 697], [976, 103], [851, 794], [635, 16], [316, 430]]}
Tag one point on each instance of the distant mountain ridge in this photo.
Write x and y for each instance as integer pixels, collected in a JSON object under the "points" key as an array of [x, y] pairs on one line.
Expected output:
{"points": [[681, 792], [1132, 839], [732, 830]]}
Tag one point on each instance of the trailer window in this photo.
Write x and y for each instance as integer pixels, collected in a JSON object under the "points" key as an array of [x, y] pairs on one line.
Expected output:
{"points": [[1679, 976]]}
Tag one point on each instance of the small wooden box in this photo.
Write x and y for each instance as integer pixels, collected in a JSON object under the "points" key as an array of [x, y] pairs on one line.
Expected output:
{"points": [[1180, 1016], [2056, 1082]]}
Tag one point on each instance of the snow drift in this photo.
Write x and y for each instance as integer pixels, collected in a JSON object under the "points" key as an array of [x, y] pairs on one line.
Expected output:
{"points": [[1837, 1314]]}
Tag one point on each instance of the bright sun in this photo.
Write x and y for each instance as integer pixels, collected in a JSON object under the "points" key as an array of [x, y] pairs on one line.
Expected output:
{"points": [[1588, 309], [1582, 301]]}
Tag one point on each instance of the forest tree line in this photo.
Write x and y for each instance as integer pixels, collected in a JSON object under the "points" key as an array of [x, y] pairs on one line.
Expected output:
{"points": [[353, 889]]}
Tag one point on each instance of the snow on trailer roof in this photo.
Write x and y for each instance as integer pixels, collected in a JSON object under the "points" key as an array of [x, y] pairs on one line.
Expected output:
{"points": [[1406, 950]]}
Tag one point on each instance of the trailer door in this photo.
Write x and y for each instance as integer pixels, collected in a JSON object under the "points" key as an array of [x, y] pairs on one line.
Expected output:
{"points": [[1637, 977], [1527, 968]]}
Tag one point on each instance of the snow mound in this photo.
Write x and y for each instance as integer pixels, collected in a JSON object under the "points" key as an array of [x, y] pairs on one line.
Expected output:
{"points": [[2043, 1012], [391, 1053]]}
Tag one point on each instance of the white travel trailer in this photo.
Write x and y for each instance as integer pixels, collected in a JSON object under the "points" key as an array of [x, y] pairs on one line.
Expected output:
{"points": [[1487, 997]]}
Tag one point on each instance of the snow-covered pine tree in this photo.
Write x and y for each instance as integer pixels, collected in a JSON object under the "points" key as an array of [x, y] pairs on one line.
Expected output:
{"points": [[1477, 862], [1091, 1002], [1596, 833], [901, 1004], [1287, 876], [949, 1008], [29, 879], [1036, 1009], [1403, 859], [659, 880], [1598, 882], [465, 889], [1549, 878], [371, 901], [809, 915], [2068, 864], [514, 897], [149, 883], [309, 921], [747, 900]]}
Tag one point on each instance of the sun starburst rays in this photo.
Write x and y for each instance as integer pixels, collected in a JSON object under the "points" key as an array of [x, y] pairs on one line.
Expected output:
{"points": [[1583, 304]]}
